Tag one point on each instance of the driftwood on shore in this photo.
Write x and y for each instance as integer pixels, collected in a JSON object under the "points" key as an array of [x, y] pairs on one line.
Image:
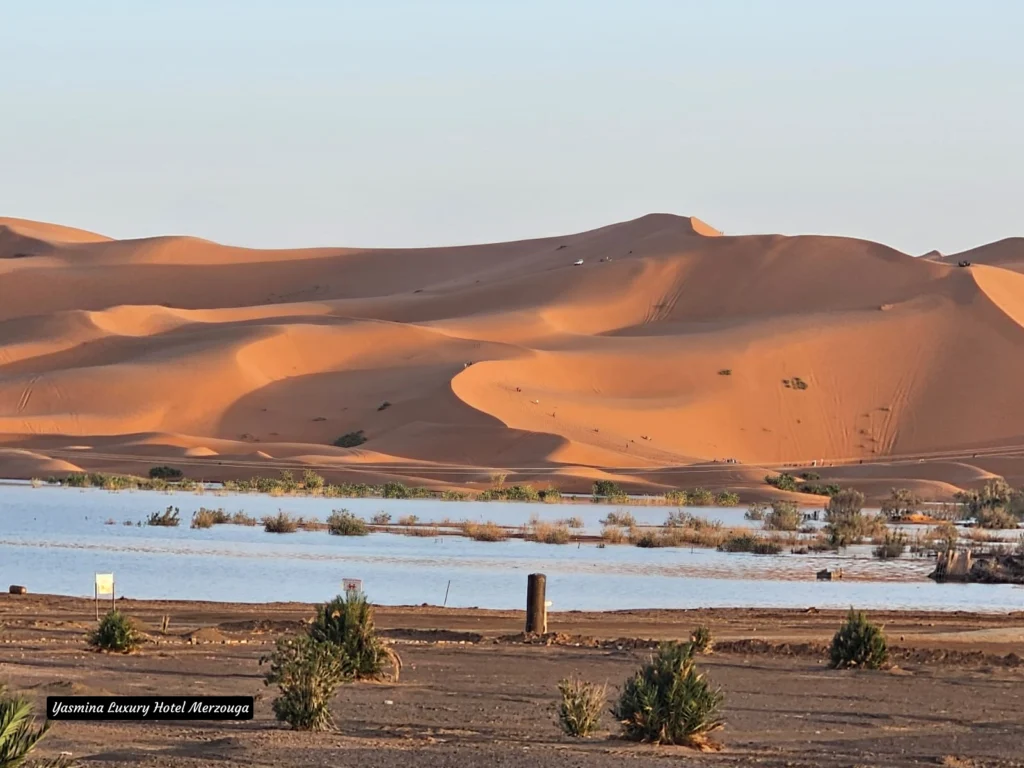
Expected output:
{"points": [[963, 566]]}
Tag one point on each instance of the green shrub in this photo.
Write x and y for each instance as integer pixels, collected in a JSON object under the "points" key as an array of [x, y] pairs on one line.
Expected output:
{"points": [[579, 711], [893, 546], [810, 476], [669, 702], [393, 490], [207, 518], [845, 524], [784, 516], [858, 643], [282, 522], [550, 495], [165, 473], [701, 639], [347, 622], [454, 496], [784, 481], [606, 488], [746, 542], [678, 498], [19, 734], [351, 439], [727, 499], [116, 633], [308, 674], [699, 497], [311, 481], [168, 518], [817, 489], [344, 523]]}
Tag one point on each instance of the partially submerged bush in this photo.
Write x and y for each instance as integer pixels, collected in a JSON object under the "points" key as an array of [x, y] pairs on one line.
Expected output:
{"points": [[846, 524], [669, 702], [484, 531], [756, 511], [612, 534], [784, 516], [308, 673], [168, 518], [701, 639], [347, 622], [282, 522], [116, 633], [344, 523], [622, 518], [901, 504], [549, 533], [894, 545], [207, 518], [746, 542], [699, 497], [579, 711], [858, 643], [575, 522], [381, 518], [19, 734]]}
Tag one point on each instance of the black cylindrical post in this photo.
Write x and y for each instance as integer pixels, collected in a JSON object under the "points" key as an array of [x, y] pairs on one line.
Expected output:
{"points": [[536, 603]]}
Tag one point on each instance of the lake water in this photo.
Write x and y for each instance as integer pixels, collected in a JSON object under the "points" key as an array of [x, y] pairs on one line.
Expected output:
{"points": [[53, 540]]}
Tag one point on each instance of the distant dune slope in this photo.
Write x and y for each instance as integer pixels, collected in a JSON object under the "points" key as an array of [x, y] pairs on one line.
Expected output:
{"points": [[670, 344]]}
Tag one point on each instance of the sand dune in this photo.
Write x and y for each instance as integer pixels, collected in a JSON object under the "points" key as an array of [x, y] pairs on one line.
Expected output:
{"points": [[670, 347]]}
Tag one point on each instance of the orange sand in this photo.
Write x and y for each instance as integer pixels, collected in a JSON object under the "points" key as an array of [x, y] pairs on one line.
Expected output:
{"points": [[228, 361]]}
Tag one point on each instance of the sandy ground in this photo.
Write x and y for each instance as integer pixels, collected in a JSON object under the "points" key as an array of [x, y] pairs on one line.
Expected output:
{"points": [[669, 348], [470, 695]]}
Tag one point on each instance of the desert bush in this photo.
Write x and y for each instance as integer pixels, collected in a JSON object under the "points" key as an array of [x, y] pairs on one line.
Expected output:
{"points": [[282, 522], [168, 518], [858, 643], [818, 489], [344, 523], [606, 489], [845, 523], [901, 504], [116, 633], [612, 534], [454, 496], [622, 518], [381, 518], [991, 505], [681, 519], [207, 518], [19, 734], [699, 497], [783, 481], [311, 481], [784, 516], [579, 711], [944, 536], [794, 383], [550, 495], [746, 542], [308, 674], [669, 702], [701, 639], [677, 498], [351, 439], [240, 518], [408, 520], [484, 531], [725, 372], [646, 538], [574, 522], [165, 473], [395, 490], [347, 622], [812, 476], [756, 511], [549, 533], [727, 499], [892, 546]]}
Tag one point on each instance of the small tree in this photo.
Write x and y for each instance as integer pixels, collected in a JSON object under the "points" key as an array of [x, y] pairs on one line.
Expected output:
{"points": [[668, 702], [894, 544], [701, 639], [845, 523], [993, 506], [901, 504], [19, 734], [344, 523], [347, 622], [784, 516], [579, 711], [308, 674], [311, 481], [116, 633], [858, 643]]}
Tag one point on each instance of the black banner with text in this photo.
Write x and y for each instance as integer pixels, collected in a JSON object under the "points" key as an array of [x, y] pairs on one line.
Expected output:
{"points": [[149, 707]]}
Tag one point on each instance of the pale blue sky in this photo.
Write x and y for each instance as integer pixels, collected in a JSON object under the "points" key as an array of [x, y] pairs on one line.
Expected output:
{"points": [[401, 122]]}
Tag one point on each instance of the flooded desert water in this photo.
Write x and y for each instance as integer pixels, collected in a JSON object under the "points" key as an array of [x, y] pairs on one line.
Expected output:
{"points": [[53, 540]]}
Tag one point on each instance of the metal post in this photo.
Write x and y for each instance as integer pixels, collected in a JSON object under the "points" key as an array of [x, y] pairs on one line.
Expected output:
{"points": [[536, 604]]}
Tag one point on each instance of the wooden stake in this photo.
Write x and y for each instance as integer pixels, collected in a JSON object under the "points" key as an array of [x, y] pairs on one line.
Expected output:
{"points": [[536, 604]]}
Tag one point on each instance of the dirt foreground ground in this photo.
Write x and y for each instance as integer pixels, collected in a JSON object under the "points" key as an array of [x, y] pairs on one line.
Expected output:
{"points": [[474, 693]]}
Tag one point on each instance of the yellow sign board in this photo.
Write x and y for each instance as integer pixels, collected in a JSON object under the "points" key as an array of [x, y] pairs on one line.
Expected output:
{"points": [[104, 583]]}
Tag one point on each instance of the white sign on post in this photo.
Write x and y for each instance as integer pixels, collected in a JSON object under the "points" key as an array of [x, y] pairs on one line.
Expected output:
{"points": [[104, 586], [352, 585]]}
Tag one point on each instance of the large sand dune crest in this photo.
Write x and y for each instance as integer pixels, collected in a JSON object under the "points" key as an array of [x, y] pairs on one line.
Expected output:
{"points": [[672, 345]]}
